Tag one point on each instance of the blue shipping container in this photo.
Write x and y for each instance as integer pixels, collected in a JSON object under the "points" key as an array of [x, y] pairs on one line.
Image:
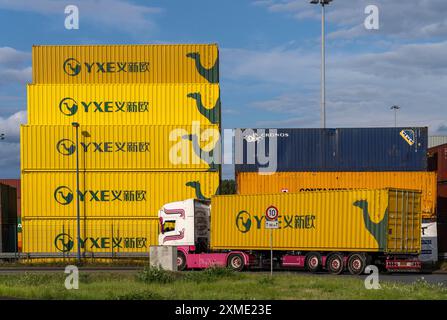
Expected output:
{"points": [[343, 149]]}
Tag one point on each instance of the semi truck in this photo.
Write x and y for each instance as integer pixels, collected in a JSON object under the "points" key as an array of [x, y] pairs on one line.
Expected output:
{"points": [[331, 231]]}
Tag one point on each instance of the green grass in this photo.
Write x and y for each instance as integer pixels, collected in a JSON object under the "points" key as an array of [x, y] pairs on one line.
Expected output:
{"points": [[209, 284]]}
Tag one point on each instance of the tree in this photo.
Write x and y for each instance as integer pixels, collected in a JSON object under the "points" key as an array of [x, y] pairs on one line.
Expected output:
{"points": [[228, 187]]}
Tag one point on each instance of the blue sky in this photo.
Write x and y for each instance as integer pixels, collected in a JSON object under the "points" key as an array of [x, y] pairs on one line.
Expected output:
{"points": [[269, 57]]}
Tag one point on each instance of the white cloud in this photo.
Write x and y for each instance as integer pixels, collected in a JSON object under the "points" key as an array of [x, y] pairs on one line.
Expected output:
{"points": [[10, 126], [9, 159], [117, 14], [420, 19], [22, 76], [10, 146], [360, 87], [14, 66], [12, 56]]}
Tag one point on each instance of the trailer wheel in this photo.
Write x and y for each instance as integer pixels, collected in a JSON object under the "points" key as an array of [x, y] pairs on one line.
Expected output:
{"points": [[181, 261], [334, 263], [356, 263], [313, 261], [236, 262]]}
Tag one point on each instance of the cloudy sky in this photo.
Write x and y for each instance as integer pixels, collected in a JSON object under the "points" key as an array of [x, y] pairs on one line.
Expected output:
{"points": [[270, 57]]}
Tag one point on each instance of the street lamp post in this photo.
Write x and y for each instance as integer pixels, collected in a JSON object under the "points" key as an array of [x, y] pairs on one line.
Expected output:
{"points": [[323, 60], [78, 214], [395, 108]]}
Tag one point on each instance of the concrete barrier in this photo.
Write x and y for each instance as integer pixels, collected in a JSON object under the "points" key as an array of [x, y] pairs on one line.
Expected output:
{"points": [[163, 257]]}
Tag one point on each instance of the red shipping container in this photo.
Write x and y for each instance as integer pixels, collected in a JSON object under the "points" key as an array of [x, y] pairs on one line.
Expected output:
{"points": [[442, 238], [442, 202], [437, 161], [16, 184]]}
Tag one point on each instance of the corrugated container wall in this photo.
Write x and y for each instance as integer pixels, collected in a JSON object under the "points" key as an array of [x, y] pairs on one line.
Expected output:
{"points": [[8, 218], [434, 141], [188, 63], [437, 161], [354, 220], [345, 149], [140, 109], [15, 183], [124, 104], [254, 183], [125, 148], [97, 235], [110, 194]]}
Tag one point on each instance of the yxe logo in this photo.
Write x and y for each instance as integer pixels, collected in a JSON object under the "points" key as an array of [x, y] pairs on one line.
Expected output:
{"points": [[246, 222], [63, 242], [66, 147], [73, 67], [409, 136], [69, 106], [243, 221], [64, 195]]}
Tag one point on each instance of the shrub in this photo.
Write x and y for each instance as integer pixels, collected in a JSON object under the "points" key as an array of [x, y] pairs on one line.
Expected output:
{"points": [[153, 274]]}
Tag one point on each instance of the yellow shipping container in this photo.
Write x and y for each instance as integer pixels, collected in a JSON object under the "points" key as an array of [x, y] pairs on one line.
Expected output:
{"points": [[181, 63], [97, 235], [126, 148], [374, 220], [110, 194], [253, 183], [124, 104]]}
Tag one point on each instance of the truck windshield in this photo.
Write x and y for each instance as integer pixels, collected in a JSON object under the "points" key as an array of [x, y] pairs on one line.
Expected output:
{"points": [[167, 226]]}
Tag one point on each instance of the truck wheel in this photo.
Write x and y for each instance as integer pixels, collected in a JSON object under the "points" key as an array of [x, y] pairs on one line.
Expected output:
{"points": [[313, 261], [181, 261], [356, 263], [236, 262], [334, 263]]}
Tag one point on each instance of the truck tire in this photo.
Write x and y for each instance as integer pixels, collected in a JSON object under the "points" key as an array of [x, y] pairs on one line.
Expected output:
{"points": [[236, 262], [356, 263], [313, 261], [334, 263], [181, 261]]}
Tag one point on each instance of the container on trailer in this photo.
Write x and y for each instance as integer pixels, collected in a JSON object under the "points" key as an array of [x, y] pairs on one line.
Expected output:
{"points": [[124, 104], [255, 183], [110, 193], [434, 141], [343, 149], [429, 242], [374, 220], [15, 183], [109, 235], [115, 147], [8, 218], [437, 161], [180, 63]]}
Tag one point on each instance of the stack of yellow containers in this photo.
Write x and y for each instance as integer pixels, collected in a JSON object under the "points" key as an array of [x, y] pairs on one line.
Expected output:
{"points": [[144, 122]]}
